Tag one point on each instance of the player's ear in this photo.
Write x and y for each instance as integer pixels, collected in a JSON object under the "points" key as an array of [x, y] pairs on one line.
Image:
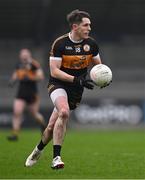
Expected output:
{"points": [[75, 26]]}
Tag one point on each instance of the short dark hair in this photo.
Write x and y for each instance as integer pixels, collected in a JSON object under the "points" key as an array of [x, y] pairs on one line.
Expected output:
{"points": [[76, 17]]}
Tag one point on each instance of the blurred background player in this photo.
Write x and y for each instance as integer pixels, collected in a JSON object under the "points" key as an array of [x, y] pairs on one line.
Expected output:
{"points": [[28, 72]]}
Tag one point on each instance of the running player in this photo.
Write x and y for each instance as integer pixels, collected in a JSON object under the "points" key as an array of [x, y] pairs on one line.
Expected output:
{"points": [[27, 72], [70, 57]]}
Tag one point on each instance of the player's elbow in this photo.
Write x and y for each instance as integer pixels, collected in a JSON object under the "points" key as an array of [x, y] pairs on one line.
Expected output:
{"points": [[54, 73]]}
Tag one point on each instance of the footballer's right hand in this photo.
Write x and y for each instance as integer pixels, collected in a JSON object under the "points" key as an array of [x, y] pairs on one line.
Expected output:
{"points": [[82, 81]]}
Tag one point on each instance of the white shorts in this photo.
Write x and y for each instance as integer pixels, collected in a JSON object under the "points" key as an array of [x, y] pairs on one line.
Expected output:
{"points": [[57, 93]]}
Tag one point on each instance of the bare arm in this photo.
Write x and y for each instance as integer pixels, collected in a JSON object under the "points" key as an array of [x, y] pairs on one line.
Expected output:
{"points": [[39, 75], [57, 73], [14, 76], [97, 60], [13, 79]]}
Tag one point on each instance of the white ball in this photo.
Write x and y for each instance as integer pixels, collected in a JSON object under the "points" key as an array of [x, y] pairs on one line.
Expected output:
{"points": [[101, 75]]}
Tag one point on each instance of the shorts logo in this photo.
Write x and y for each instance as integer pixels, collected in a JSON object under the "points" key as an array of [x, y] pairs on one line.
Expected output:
{"points": [[86, 48]]}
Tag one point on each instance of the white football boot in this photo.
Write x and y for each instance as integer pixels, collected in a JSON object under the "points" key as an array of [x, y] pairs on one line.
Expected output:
{"points": [[57, 163], [33, 157]]}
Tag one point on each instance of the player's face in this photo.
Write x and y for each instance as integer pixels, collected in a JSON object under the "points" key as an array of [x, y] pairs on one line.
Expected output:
{"points": [[83, 29], [25, 56]]}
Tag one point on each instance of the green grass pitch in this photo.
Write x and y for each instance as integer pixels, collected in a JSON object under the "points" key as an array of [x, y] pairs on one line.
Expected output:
{"points": [[87, 155]]}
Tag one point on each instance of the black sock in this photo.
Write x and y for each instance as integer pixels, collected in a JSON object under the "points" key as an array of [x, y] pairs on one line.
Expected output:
{"points": [[56, 150], [41, 145]]}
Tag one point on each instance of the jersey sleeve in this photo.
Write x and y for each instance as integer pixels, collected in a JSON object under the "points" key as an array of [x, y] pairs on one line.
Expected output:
{"points": [[56, 49], [95, 49]]}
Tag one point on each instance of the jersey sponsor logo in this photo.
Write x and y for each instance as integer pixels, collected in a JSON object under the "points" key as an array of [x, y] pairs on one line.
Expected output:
{"points": [[84, 57], [76, 61], [86, 48]]}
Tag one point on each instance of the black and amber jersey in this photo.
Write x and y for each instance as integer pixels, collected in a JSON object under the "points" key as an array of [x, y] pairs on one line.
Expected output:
{"points": [[26, 73], [75, 57]]}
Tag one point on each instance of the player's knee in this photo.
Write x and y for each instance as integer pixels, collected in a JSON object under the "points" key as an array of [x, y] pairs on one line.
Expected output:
{"points": [[64, 113], [50, 128]]}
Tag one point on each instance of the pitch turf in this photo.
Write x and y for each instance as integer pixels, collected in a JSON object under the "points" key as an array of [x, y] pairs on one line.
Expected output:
{"points": [[96, 154]]}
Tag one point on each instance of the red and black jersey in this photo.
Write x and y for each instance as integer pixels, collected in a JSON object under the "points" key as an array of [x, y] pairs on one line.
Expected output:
{"points": [[76, 57]]}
